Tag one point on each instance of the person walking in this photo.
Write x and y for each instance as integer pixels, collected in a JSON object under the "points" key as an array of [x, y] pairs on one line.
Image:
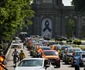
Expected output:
{"points": [[21, 55], [77, 66]]}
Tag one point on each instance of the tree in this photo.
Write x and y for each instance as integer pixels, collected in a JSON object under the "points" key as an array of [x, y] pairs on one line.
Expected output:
{"points": [[70, 27], [77, 42], [79, 5], [12, 15], [83, 31]]}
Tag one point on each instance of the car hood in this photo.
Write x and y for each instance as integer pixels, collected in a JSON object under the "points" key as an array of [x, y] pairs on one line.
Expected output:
{"points": [[29, 68]]}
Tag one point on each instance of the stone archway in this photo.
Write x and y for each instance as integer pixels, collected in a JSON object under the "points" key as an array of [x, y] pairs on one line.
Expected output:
{"points": [[46, 29]]}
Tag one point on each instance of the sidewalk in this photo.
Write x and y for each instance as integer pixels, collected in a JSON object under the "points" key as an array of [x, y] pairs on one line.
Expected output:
{"points": [[10, 58]]}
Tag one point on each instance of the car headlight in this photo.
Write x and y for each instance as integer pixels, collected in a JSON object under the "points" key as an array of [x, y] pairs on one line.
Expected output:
{"points": [[58, 60]]}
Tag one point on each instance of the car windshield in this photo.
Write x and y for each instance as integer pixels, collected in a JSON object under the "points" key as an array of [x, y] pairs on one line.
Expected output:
{"points": [[78, 53], [51, 43], [46, 48], [64, 47], [73, 50], [29, 63], [50, 53]]}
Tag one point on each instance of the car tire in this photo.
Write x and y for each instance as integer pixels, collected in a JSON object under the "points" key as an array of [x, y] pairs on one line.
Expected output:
{"points": [[66, 62], [57, 66], [72, 65]]}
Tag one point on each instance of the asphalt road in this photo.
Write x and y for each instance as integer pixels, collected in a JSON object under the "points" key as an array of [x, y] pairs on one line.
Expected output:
{"points": [[10, 62]]}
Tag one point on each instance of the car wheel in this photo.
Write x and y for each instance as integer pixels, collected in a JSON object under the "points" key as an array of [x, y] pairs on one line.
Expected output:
{"points": [[57, 66], [66, 62], [72, 65]]}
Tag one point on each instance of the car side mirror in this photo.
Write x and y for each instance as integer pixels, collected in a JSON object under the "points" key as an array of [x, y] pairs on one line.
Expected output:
{"points": [[46, 63]]}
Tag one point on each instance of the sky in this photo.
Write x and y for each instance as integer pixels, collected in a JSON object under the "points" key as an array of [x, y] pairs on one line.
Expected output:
{"points": [[67, 2]]}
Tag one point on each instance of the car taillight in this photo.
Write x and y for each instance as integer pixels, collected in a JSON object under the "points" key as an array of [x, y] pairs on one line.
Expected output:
{"points": [[58, 60]]}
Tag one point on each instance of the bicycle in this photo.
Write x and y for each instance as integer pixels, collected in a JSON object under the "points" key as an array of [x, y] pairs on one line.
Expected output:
{"points": [[15, 60]]}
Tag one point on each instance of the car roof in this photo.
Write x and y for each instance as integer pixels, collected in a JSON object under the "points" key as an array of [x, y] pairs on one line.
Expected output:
{"points": [[58, 45], [73, 48], [67, 46]]}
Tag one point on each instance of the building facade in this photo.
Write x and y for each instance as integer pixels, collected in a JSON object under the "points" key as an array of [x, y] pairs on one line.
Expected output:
{"points": [[51, 17]]}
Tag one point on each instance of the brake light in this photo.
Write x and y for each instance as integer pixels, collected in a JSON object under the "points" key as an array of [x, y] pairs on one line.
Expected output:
{"points": [[58, 60], [73, 53]]}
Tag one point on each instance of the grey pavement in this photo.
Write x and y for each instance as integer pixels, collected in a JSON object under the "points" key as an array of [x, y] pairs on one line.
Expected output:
{"points": [[10, 58]]}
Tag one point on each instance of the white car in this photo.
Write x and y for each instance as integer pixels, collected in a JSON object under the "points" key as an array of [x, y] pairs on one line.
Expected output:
{"points": [[16, 44], [34, 64]]}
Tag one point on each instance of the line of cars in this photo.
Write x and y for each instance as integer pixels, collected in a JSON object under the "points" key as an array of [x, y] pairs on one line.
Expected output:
{"points": [[42, 49], [37, 63], [47, 53], [65, 54]]}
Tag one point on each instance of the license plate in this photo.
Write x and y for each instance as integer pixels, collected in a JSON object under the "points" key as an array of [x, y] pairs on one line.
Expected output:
{"points": [[52, 61]]}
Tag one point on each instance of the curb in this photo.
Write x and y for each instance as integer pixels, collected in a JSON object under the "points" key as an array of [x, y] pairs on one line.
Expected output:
{"points": [[8, 52]]}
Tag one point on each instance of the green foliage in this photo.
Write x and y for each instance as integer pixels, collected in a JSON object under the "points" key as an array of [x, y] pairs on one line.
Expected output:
{"points": [[77, 42], [70, 27], [79, 5], [12, 14], [59, 39], [83, 31], [60, 42], [68, 40]]}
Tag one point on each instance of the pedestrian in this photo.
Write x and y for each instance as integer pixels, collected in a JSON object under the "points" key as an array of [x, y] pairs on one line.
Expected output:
{"points": [[21, 55], [77, 66], [15, 55], [2, 61]]}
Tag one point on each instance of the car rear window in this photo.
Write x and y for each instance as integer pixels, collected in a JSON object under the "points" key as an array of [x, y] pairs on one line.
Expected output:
{"points": [[50, 53], [46, 48], [73, 50], [64, 47], [78, 53]]}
